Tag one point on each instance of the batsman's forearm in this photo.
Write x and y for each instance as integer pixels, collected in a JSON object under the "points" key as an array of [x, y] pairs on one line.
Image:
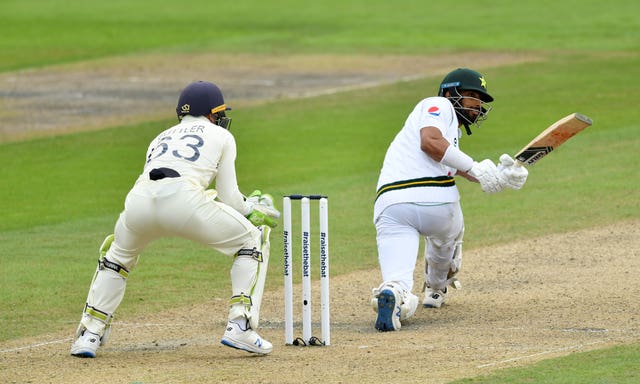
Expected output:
{"points": [[467, 176]]}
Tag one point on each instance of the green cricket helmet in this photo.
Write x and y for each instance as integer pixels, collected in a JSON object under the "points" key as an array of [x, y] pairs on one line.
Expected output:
{"points": [[464, 79]]}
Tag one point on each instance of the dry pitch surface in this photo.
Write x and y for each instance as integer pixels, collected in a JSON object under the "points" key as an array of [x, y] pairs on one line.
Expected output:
{"points": [[520, 303]]}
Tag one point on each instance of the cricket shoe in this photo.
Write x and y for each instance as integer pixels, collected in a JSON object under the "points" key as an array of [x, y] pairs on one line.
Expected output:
{"points": [[388, 302], [85, 345], [434, 298], [246, 340]]}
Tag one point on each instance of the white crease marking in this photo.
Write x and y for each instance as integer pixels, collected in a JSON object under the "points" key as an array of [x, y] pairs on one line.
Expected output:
{"points": [[579, 346]]}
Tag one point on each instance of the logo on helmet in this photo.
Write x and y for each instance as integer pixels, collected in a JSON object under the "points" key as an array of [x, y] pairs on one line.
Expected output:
{"points": [[185, 109], [449, 85], [483, 82]]}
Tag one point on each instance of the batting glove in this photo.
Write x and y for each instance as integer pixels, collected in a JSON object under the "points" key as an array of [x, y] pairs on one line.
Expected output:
{"points": [[512, 175], [486, 173]]}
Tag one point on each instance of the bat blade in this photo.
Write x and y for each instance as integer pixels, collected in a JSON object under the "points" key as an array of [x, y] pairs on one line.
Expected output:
{"points": [[552, 137]]}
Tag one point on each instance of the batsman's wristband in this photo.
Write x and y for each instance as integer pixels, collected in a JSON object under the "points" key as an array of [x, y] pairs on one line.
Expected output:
{"points": [[455, 158]]}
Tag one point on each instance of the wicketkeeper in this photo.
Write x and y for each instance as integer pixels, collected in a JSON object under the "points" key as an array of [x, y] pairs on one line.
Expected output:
{"points": [[170, 198], [417, 196]]}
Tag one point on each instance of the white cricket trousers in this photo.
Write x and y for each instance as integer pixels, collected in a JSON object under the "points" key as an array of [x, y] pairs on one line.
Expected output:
{"points": [[399, 230], [178, 207], [172, 207]]}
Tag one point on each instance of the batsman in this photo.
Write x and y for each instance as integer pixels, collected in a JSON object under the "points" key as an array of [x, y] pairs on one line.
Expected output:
{"points": [[417, 196], [171, 198]]}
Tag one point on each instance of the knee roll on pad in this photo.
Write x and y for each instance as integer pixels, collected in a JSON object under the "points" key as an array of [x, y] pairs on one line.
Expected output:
{"points": [[106, 244]]}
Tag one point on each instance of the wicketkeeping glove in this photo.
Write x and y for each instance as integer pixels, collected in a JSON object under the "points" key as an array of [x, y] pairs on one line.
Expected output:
{"points": [[511, 174], [263, 210]]}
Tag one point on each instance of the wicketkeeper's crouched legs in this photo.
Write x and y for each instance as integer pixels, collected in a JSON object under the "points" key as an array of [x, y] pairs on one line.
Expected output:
{"points": [[248, 275], [105, 295]]}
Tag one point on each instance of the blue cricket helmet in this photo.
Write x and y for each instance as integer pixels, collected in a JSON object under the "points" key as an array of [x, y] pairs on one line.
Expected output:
{"points": [[200, 98]]}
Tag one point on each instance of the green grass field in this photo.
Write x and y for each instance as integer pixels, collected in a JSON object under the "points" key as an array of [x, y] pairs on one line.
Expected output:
{"points": [[61, 195], [40, 33]]}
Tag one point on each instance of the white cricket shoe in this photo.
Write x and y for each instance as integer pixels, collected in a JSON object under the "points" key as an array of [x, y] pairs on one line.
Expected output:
{"points": [[85, 345], [388, 301], [409, 305], [246, 340], [434, 298]]}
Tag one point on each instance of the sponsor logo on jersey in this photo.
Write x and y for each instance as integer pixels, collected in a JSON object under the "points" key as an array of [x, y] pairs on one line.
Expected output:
{"points": [[434, 111]]}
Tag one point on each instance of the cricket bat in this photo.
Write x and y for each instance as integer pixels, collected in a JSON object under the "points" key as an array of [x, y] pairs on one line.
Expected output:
{"points": [[552, 137]]}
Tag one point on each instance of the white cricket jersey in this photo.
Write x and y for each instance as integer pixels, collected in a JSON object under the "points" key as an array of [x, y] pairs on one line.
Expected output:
{"points": [[201, 152], [410, 175]]}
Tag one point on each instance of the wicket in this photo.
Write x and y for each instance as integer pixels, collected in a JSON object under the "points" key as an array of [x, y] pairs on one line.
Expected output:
{"points": [[305, 224]]}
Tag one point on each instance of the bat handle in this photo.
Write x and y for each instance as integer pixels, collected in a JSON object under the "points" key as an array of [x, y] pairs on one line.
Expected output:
{"points": [[518, 162]]}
